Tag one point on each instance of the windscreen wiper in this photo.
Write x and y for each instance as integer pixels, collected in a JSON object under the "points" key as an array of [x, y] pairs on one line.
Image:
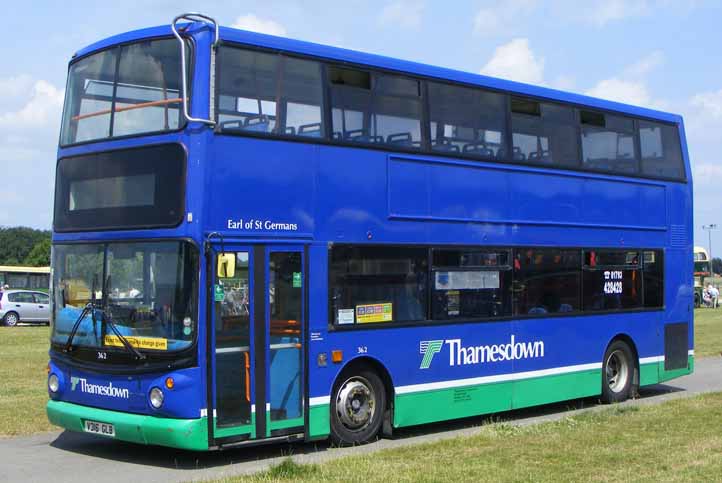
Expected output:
{"points": [[89, 307], [107, 319]]}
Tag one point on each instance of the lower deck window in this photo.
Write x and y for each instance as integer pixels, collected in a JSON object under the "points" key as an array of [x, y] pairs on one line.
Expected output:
{"points": [[612, 280], [546, 281], [378, 284], [387, 284], [470, 284]]}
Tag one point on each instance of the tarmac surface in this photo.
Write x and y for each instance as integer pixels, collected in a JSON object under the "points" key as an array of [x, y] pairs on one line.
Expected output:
{"points": [[77, 457]]}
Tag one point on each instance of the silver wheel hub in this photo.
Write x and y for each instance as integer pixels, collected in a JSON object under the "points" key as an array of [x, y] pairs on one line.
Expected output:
{"points": [[12, 319], [356, 404], [617, 371]]}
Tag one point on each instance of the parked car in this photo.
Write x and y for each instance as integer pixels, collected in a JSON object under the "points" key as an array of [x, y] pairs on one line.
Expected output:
{"points": [[24, 306]]}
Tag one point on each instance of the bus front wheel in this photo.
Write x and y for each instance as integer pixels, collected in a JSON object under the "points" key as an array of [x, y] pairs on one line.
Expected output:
{"points": [[617, 373], [357, 407]]}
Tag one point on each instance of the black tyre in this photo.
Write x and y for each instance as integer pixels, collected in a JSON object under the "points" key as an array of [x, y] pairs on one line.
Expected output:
{"points": [[11, 319], [618, 369], [357, 407]]}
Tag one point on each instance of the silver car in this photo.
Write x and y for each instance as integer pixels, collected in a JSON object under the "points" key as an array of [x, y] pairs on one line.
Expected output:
{"points": [[24, 306]]}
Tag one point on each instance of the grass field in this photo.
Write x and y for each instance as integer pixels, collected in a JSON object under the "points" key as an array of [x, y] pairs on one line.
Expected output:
{"points": [[679, 440], [24, 356], [23, 362], [708, 332]]}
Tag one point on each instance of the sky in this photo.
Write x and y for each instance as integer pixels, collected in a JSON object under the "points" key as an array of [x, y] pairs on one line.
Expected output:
{"points": [[661, 54]]}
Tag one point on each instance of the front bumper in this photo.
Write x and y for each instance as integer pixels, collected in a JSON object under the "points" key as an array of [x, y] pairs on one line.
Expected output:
{"points": [[190, 434]]}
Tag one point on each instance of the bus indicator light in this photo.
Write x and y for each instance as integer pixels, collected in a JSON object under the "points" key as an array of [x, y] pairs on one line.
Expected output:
{"points": [[337, 356], [169, 382]]}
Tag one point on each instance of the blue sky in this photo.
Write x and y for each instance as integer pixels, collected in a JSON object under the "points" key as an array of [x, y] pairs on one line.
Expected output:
{"points": [[662, 54]]}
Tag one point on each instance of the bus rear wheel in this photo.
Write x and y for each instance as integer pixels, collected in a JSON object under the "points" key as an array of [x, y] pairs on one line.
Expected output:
{"points": [[617, 373], [357, 407]]}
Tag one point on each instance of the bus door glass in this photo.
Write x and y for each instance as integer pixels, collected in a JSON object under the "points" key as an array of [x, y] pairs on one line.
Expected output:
{"points": [[257, 345], [285, 298], [231, 353]]}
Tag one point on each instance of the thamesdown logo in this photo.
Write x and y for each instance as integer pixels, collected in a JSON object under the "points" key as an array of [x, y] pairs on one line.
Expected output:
{"points": [[109, 390], [461, 355], [429, 348]]}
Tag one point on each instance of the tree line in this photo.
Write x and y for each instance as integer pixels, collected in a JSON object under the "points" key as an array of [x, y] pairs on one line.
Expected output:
{"points": [[24, 246]]}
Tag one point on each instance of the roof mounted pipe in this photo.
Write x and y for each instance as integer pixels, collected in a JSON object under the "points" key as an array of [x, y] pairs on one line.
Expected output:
{"points": [[193, 17]]}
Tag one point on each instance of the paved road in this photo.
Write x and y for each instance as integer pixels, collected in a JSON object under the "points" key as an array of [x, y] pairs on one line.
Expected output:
{"points": [[75, 457]]}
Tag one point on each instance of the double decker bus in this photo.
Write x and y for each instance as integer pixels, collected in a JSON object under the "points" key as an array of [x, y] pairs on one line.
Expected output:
{"points": [[702, 270], [259, 239]]}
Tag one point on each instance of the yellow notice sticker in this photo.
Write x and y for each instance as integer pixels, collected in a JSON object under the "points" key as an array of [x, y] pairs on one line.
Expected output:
{"points": [[138, 342], [374, 313]]}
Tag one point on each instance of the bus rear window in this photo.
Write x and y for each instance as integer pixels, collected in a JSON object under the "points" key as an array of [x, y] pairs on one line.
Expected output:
{"points": [[131, 89], [132, 188]]}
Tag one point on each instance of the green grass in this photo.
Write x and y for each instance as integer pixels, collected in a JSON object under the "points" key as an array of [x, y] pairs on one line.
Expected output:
{"points": [[707, 332], [23, 362], [680, 440]]}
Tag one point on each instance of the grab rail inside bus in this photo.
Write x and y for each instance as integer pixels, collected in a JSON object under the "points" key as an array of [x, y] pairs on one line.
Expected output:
{"points": [[193, 17]]}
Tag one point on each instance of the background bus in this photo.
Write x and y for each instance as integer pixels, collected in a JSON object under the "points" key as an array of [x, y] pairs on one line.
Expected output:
{"points": [[25, 277], [340, 244], [702, 270]]}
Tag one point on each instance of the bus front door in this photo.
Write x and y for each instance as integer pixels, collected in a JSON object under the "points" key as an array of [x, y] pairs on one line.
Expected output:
{"points": [[257, 355]]}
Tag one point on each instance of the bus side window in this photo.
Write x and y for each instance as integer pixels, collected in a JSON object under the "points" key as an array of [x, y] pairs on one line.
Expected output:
{"points": [[612, 280], [546, 280]]}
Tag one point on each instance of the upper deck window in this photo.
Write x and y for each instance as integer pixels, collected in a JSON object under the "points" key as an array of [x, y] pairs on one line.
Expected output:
{"points": [[465, 120], [126, 90], [544, 133], [608, 143], [376, 109], [661, 151], [271, 94]]}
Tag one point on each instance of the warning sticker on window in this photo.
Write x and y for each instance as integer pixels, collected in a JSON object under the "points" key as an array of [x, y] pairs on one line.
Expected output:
{"points": [[374, 313], [467, 280], [345, 316]]}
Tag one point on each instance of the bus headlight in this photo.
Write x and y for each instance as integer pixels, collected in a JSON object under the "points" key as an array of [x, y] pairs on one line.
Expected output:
{"points": [[53, 383], [156, 397]]}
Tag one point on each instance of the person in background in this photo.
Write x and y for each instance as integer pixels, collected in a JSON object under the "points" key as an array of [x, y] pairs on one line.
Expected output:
{"points": [[706, 298], [714, 295]]}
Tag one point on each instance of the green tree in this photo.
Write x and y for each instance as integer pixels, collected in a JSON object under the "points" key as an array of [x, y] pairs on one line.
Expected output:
{"points": [[39, 256], [16, 243]]}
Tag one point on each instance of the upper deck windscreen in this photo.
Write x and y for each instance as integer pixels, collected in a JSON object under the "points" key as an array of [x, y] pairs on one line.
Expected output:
{"points": [[125, 90]]}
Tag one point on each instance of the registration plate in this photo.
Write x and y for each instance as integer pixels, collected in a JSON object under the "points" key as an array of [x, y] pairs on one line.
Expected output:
{"points": [[95, 427]]}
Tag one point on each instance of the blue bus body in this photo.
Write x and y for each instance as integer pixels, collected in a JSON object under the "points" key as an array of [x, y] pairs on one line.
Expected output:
{"points": [[258, 195]]}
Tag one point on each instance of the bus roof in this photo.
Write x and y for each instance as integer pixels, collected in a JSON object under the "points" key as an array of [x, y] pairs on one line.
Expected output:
{"points": [[16, 269], [387, 63]]}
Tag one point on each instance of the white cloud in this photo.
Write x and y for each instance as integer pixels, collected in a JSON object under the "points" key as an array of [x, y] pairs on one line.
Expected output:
{"points": [[646, 64], [563, 82], [630, 86], [709, 103], [516, 61], [602, 12], [499, 18], [28, 139], [404, 13], [43, 107], [615, 89], [256, 24]]}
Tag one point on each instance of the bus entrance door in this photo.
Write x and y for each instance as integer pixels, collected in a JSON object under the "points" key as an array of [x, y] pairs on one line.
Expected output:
{"points": [[257, 352]]}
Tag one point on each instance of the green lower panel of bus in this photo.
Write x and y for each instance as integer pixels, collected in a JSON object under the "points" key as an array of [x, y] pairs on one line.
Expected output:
{"points": [[319, 421], [460, 402], [191, 434]]}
